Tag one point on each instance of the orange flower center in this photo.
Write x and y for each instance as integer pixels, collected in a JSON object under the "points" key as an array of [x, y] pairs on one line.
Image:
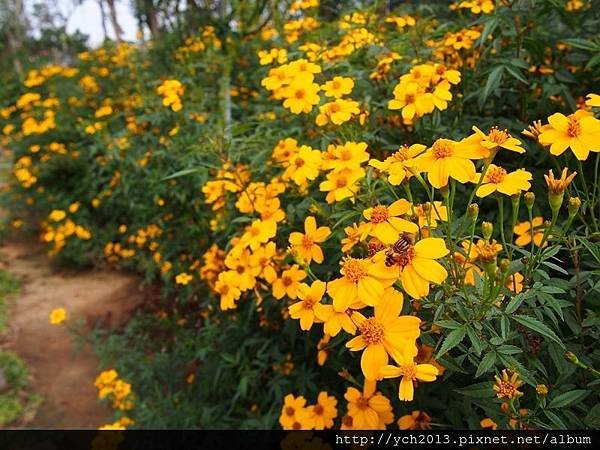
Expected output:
{"points": [[410, 98], [297, 426], [299, 162], [379, 214], [440, 69], [372, 331], [347, 421], [307, 241], [299, 94], [308, 302], [506, 389], [224, 289], [335, 107], [336, 85], [574, 127], [254, 231], [341, 182], [354, 269], [488, 251], [409, 371], [442, 149], [240, 269], [318, 410], [362, 403], [346, 154], [287, 280], [290, 411], [498, 136], [496, 175]]}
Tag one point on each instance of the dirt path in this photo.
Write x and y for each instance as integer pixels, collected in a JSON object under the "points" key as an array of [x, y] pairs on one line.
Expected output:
{"points": [[62, 376]]}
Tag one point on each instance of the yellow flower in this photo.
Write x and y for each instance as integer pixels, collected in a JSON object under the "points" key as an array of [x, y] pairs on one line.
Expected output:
{"points": [[416, 420], [301, 95], [309, 307], [429, 214], [341, 184], [289, 283], [57, 215], [337, 112], [361, 281], [496, 179], [524, 232], [385, 224], [183, 278], [508, 386], [488, 423], [226, 287], [259, 232], [409, 371], [579, 131], [369, 410], [416, 265], [448, 159], [324, 411], [495, 140], [303, 166], [593, 100], [307, 244], [399, 165], [383, 333], [336, 321], [354, 235], [351, 155], [245, 267], [411, 99], [58, 316], [294, 414], [557, 186], [338, 87]]}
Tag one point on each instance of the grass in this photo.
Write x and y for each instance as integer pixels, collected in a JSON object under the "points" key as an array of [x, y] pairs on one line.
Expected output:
{"points": [[8, 287], [14, 401]]}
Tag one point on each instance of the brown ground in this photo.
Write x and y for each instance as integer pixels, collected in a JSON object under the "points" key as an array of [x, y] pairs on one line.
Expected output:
{"points": [[62, 375]]}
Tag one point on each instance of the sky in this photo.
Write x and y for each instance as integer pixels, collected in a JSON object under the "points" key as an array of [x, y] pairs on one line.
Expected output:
{"points": [[87, 18]]}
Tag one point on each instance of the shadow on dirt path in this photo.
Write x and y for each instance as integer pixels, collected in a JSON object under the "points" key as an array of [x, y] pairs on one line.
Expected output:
{"points": [[63, 376]]}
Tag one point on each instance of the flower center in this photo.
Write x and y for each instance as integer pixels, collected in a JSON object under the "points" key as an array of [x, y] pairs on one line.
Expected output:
{"points": [[440, 70], [254, 231], [442, 149], [346, 154], [574, 127], [379, 214], [506, 389], [347, 421], [341, 182], [240, 269], [372, 331], [318, 409], [488, 251], [299, 94], [335, 107], [498, 136], [307, 241], [297, 426], [308, 302], [409, 371], [286, 280], [496, 175], [399, 258], [299, 162], [409, 98], [290, 411], [362, 403], [354, 269]]}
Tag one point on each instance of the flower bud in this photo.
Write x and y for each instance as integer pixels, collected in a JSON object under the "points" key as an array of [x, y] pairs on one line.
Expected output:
{"points": [[504, 265], [574, 205], [473, 211], [541, 390], [529, 199], [487, 228], [570, 356]]}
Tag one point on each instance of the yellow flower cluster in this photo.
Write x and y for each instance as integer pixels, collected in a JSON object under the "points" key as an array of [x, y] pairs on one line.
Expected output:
{"points": [[296, 415], [110, 386], [424, 88], [171, 91]]}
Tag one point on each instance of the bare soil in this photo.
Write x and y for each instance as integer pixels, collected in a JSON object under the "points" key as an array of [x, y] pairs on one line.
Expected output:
{"points": [[63, 375]]}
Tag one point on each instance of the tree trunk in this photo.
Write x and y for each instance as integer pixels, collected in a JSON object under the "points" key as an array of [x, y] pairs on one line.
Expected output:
{"points": [[103, 18], [113, 20]]}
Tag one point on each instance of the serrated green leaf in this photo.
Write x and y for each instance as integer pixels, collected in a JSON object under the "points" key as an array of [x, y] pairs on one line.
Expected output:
{"points": [[538, 327], [568, 398], [486, 364], [452, 340]]}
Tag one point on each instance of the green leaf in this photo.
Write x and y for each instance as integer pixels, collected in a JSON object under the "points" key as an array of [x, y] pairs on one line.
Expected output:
{"points": [[475, 340], [452, 340], [451, 324], [582, 44], [492, 83], [477, 390], [514, 304], [182, 173], [594, 61], [568, 398], [486, 364], [557, 421], [538, 327]]}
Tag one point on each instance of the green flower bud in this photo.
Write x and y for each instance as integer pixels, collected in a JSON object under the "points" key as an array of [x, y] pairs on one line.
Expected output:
{"points": [[487, 228]]}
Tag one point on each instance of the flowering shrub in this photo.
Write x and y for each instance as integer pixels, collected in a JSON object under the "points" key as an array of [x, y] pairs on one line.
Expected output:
{"points": [[385, 214]]}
